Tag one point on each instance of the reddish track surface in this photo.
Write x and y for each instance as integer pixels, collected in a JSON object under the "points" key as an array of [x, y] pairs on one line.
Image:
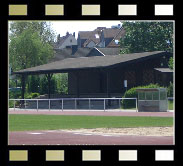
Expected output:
{"points": [[94, 112], [55, 137]]}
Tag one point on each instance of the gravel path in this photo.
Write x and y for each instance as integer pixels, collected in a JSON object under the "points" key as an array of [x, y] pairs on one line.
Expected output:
{"points": [[139, 131]]}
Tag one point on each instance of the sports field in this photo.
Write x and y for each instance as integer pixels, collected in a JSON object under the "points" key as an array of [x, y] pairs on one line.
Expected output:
{"points": [[23, 122]]}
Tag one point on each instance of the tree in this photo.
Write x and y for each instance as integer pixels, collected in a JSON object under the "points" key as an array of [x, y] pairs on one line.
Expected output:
{"points": [[45, 32], [44, 85], [170, 63], [30, 44], [147, 36], [61, 83], [27, 50], [33, 83]]}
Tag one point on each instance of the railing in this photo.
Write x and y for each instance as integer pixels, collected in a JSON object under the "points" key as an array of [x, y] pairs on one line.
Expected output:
{"points": [[106, 102]]}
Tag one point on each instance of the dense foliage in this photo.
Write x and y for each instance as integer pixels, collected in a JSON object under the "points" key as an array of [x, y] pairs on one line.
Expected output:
{"points": [[31, 44], [28, 49], [147, 36], [132, 93]]}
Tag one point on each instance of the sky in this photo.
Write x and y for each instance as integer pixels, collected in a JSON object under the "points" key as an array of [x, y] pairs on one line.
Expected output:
{"points": [[61, 27]]}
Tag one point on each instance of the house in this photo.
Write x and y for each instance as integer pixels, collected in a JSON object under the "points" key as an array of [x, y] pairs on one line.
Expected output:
{"points": [[65, 41], [101, 37], [115, 41], [110, 37], [89, 38], [104, 74]]}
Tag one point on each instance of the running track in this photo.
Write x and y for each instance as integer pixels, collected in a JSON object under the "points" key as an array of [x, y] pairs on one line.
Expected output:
{"points": [[59, 137], [93, 112]]}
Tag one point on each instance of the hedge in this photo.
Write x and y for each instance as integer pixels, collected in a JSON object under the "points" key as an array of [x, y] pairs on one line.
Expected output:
{"points": [[132, 93]]}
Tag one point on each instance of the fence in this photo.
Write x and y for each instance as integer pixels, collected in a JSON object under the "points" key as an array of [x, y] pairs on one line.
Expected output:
{"points": [[74, 103]]}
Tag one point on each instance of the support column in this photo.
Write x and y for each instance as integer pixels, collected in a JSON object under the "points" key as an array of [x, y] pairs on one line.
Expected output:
{"points": [[23, 89], [23, 85], [49, 76], [77, 86], [108, 88]]}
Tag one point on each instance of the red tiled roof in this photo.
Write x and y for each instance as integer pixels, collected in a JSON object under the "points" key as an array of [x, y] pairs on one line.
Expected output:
{"points": [[118, 36]]}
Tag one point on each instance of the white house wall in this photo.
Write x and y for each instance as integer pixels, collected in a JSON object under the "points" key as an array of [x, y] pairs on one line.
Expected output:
{"points": [[68, 42]]}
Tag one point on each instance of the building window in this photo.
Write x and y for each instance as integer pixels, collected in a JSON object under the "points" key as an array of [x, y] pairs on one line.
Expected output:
{"points": [[116, 41], [97, 36]]}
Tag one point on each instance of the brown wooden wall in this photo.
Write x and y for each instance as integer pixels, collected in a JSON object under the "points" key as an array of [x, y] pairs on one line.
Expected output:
{"points": [[95, 81]]}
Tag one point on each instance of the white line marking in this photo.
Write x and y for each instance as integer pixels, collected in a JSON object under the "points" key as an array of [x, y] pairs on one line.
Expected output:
{"points": [[36, 133], [86, 134]]}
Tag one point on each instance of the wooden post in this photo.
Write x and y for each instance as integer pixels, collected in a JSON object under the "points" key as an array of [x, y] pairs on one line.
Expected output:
{"points": [[62, 104], [49, 79], [77, 85], [23, 89], [108, 88], [49, 76], [23, 86]]}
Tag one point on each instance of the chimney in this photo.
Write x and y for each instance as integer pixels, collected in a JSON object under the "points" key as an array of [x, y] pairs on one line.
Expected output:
{"points": [[67, 33], [74, 34], [74, 49]]}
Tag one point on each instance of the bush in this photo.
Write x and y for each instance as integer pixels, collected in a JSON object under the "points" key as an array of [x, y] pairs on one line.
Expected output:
{"points": [[11, 104], [15, 95], [34, 95], [31, 95], [132, 93]]}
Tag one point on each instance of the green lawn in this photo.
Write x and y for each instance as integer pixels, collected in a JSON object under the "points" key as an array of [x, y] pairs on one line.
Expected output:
{"points": [[52, 122]]}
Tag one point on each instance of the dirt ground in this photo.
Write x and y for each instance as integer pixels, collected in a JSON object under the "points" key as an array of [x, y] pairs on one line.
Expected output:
{"points": [[140, 131]]}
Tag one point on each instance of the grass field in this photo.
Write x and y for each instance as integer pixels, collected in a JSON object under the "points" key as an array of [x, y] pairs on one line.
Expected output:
{"points": [[53, 122]]}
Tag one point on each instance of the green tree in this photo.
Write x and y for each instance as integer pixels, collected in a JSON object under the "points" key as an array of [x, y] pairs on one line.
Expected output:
{"points": [[33, 84], [30, 44], [61, 83], [27, 50], [45, 32], [170, 63], [44, 85], [147, 36]]}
